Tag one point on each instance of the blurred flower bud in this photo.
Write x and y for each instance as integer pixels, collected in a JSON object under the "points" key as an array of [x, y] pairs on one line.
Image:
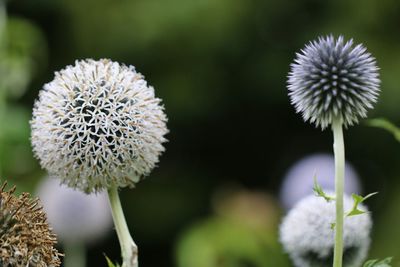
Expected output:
{"points": [[75, 216], [299, 179]]}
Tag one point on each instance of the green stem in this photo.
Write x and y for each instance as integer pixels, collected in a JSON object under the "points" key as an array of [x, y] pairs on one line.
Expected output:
{"points": [[338, 148], [75, 255], [3, 24], [2, 118], [129, 249]]}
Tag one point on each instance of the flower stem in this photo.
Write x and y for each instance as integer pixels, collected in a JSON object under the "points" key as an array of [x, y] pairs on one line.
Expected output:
{"points": [[129, 250], [338, 148], [75, 255], [3, 24], [2, 116]]}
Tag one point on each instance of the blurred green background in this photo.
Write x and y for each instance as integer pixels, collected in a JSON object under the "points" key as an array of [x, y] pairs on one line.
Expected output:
{"points": [[220, 67]]}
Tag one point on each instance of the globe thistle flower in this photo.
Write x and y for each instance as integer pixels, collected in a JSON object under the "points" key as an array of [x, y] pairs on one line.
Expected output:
{"points": [[98, 125], [75, 217], [25, 236], [332, 79], [298, 181], [307, 236]]}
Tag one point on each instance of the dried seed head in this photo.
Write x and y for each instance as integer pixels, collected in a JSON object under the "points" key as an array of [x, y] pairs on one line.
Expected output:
{"points": [[308, 238], [332, 79], [25, 236], [98, 124]]}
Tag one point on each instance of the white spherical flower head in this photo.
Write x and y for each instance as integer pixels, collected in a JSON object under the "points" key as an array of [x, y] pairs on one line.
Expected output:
{"points": [[97, 125], [74, 216], [308, 238], [330, 79], [298, 181]]}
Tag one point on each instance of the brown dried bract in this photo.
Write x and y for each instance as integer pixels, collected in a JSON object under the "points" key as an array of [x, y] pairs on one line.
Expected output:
{"points": [[25, 236]]}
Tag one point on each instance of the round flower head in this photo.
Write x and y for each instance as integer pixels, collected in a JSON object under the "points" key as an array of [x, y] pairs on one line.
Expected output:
{"points": [[308, 238], [98, 124], [299, 179], [330, 79], [75, 217], [25, 236]]}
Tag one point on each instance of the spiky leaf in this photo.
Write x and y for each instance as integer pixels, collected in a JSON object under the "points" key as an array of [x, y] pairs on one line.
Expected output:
{"points": [[377, 263], [357, 201], [110, 263], [319, 192]]}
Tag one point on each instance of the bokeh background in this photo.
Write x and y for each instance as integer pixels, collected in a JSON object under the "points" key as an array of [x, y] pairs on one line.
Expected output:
{"points": [[220, 67]]}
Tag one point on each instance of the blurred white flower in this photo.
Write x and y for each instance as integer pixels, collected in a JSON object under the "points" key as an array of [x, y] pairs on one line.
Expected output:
{"points": [[308, 238], [299, 179], [75, 217], [97, 125]]}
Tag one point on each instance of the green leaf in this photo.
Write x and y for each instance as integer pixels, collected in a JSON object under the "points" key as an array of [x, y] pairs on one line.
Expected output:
{"points": [[333, 225], [387, 125], [376, 263], [319, 192], [110, 263], [357, 201]]}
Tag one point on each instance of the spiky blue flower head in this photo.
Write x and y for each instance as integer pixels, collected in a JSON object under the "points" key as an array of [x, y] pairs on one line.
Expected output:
{"points": [[333, 79]]}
